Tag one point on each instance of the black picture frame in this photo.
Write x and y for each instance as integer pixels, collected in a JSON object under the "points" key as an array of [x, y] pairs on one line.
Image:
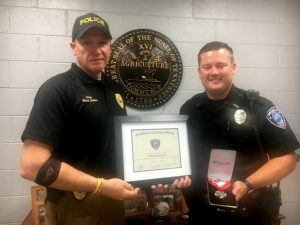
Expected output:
{"points": [[126, 130], [169, 198], [136, 206]]}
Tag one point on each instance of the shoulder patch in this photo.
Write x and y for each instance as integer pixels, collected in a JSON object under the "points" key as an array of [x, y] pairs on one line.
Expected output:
{"points": [[276, 118]]}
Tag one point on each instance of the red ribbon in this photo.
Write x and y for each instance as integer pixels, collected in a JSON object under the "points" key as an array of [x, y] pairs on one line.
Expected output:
{"points": [[222, 187]]}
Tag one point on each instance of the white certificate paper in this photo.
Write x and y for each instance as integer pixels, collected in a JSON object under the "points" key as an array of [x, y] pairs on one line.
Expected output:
{"points": [[155, 149], [152, 147]]}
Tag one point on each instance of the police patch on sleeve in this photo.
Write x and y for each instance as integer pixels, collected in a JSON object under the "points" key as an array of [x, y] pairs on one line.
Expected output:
{"points": [[276, 118]]}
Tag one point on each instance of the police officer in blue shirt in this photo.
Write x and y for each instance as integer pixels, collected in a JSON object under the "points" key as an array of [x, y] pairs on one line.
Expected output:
{"points": [[226, 117]]}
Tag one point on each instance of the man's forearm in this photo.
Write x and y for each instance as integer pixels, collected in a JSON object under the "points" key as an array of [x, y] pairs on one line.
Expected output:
{"points": [[273, 171]]}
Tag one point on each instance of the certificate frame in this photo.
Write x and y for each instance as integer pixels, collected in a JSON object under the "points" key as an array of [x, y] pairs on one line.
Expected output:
{"points": [[161, 128]]}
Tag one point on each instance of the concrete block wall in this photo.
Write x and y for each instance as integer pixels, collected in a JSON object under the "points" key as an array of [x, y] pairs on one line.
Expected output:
{"points": [[34, 43]]}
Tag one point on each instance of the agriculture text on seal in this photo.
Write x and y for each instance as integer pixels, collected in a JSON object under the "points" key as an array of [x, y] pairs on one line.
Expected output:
{"points": [[147, 65]]}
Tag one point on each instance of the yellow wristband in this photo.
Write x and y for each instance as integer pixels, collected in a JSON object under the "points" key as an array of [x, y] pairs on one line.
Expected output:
{"points": [[99, 185]]}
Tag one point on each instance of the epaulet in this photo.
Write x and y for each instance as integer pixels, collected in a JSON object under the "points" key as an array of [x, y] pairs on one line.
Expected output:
{"points": [[192, 103], [252, 96], [197, 99]]}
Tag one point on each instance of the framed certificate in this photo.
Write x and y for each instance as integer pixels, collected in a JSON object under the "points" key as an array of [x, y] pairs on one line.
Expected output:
{"points": [[152, 147]]}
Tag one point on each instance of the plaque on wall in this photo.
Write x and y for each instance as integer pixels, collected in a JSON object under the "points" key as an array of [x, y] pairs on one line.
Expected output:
{"points": [[148, 67]]}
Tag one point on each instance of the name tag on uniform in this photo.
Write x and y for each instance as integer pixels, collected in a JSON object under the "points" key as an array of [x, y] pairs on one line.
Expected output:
{"points": [[220, 168]]}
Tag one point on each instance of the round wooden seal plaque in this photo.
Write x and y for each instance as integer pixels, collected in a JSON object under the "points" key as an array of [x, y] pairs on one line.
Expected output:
{"points": [[147, 65]]}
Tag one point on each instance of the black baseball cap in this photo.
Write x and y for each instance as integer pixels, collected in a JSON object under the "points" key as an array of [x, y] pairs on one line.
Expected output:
{"points": [[88, 21]]}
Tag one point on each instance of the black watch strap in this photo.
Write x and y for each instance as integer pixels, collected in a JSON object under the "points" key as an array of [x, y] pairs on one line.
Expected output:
{"points": [[249, 186]]}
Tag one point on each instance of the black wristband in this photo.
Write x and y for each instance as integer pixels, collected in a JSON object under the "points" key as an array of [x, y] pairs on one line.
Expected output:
{"points": [[249, 186], [48, 173]]}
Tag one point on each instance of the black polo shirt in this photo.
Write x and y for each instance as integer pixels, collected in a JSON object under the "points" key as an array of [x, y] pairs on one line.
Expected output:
{"points": [[212, 125], [74, 113]]}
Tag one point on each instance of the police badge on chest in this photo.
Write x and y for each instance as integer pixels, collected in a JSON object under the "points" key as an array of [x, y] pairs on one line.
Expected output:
{"points": [[240, 116]]}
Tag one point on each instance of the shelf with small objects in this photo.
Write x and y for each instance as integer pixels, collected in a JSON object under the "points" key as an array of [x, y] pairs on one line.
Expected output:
{"points": [[163, 204]]}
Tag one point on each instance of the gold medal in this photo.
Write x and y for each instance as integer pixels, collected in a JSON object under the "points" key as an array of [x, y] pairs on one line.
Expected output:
{"points": [[79, 195], [240, 116], [119, 100]]}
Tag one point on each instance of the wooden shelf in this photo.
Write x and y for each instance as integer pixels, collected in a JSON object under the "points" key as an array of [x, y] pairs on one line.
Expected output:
{"points": [[148, 220]]}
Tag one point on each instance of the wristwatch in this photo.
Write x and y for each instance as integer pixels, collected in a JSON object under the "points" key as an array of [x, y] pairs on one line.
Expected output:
{"points": [[249, 185]]}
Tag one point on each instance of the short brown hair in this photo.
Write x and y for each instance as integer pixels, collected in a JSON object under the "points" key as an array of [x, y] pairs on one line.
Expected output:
{"points": [[215, 45]]}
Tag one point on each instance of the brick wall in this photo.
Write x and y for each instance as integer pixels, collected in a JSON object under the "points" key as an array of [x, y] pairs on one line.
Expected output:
{"points": [[34, 43]]}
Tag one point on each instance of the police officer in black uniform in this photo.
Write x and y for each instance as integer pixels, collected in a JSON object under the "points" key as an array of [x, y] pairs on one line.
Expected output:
{"points": [[225, 117], [69, 137]]}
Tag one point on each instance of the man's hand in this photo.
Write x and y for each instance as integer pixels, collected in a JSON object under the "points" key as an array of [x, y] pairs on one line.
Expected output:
{"points": [[118, 189], [183, 182], [239, 189]]}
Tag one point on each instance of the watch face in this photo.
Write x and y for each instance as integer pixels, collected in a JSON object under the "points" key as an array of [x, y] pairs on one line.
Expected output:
{"points": [[219, 197]]}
